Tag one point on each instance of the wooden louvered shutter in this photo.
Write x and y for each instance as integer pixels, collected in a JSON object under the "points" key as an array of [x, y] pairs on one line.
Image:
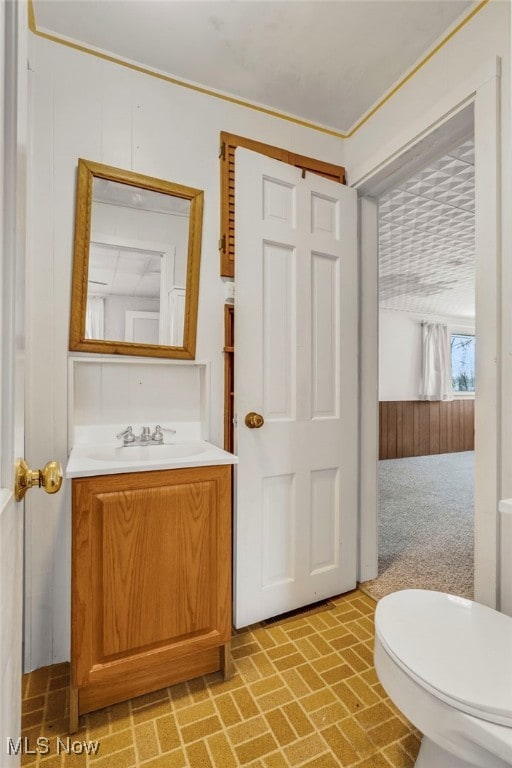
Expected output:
{"points": [[229, 142]]}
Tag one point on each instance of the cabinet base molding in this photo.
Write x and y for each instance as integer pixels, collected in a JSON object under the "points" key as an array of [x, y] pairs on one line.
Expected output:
{"points": [[226, 661], [93, 697]]}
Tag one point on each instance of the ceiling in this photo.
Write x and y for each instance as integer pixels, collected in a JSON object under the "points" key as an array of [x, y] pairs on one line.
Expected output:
{"points": [[427, 239], [129, 271], [117, 193], [323, 61], [115, 271]]}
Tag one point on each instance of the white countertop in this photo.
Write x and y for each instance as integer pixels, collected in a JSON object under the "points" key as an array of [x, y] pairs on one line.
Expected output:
{"points": [[104, 458]]}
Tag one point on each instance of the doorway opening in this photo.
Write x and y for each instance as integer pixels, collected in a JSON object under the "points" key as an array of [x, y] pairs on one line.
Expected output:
{"points": [[427, 341], [475, 106]]}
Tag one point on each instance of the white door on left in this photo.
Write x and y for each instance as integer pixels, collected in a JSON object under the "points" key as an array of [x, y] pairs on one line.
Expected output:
{"points": [[15, 476], [13, 95]]}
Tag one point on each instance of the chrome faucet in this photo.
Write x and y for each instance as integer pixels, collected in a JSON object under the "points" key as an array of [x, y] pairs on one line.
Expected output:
{"points": [[146, 437], [127, 435]]}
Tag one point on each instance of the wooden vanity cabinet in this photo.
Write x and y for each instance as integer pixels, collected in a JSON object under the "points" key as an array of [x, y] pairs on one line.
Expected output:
{"points": [[151, 582]]}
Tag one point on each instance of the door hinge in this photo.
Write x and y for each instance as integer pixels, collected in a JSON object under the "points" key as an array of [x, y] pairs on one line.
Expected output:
{"points": [[222, 244], [235, 420], [222, 151]]}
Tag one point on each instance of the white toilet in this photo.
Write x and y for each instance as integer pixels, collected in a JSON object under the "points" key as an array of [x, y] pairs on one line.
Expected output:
{"points": [[446, 663]]}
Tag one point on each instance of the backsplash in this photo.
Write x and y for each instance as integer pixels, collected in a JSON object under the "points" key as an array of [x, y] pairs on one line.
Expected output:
{"points": [[110, 394]]}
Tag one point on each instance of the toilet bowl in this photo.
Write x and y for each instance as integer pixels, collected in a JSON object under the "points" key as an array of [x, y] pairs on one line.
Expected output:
{"points": [[446, 662]]}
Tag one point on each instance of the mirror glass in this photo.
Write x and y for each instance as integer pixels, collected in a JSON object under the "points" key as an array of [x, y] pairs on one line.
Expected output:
{"points": [[136, 282], [137, 248]]}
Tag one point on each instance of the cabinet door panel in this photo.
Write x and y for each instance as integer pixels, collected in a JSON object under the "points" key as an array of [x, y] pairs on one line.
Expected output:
{"points": [[158, 550], [151, 570]]}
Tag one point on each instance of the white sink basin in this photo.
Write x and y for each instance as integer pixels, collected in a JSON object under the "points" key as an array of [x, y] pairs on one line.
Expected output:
{"points": [[142, 453], [90, 459]]}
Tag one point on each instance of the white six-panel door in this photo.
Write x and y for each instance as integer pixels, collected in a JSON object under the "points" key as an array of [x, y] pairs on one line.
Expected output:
{"points": [[295, 364]]}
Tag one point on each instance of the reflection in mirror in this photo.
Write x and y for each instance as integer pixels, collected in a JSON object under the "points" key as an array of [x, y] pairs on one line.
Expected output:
{"points": [[137, 265], [140, 258]]}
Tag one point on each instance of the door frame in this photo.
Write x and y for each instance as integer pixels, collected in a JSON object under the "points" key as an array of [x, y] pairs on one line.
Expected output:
{"points": [[482, 96]]}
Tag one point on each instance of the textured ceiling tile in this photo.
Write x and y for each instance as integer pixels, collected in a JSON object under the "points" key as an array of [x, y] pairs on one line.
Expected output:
{"points": [[426, 238], [465, 152]]}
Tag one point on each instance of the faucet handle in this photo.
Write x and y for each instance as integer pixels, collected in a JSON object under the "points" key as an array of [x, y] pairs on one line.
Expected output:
{"points": [[158, 436], [127, 434]]}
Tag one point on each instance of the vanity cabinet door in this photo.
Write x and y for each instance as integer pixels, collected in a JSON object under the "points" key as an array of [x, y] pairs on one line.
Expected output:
{"points": [[151, 580]]}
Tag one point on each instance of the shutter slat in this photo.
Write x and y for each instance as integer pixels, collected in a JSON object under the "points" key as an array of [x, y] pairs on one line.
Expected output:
{"points": [[227, 185]]}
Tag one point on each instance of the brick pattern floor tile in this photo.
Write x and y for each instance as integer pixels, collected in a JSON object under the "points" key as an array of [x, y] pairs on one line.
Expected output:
{"points": [[304, 694]]}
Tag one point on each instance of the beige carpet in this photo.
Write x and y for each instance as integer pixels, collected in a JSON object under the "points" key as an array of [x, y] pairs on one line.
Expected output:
{"points": [[425, 525]]}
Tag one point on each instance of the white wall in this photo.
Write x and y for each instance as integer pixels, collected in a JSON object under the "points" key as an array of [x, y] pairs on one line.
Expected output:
{"points": [[115, 308], [152, 392], [400, 358], [452, 71], [399, 355], [85, 107]]}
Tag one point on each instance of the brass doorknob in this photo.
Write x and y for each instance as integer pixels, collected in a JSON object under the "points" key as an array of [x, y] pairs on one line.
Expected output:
{"points": [[254, 420], [49, 478]]}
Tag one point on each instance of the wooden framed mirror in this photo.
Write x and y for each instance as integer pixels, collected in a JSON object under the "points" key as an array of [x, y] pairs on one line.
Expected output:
{"points": [[136, 264]]}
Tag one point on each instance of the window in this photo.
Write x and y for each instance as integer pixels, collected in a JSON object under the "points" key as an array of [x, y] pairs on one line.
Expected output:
{"points": [[463, 362]]}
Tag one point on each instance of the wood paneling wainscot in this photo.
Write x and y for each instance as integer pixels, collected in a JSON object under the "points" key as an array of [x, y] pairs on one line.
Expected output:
{"points": [[422, 428], [151, 582]]}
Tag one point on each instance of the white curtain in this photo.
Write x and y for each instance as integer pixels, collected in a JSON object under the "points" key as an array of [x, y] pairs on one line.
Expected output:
{"points": [[94, 318], [436, 381]]}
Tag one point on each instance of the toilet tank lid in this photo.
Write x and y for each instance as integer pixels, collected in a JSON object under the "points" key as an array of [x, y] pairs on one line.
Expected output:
{"points": [[459, 650]]}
